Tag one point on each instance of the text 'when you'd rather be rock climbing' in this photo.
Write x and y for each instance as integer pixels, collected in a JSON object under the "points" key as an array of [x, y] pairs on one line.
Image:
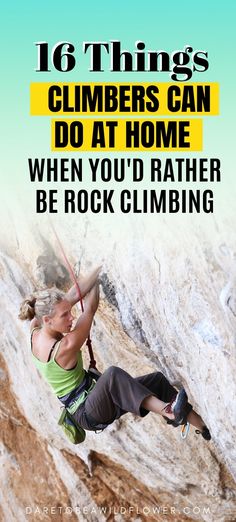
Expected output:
{"points": [[104, 185]]}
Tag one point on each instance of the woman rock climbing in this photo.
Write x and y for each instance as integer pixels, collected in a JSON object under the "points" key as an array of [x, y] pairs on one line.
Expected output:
{"points": [[56, 351]]}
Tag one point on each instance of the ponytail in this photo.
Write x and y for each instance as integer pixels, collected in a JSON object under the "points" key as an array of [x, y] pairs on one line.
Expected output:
{"points": [[27, 309], [40, 304]]}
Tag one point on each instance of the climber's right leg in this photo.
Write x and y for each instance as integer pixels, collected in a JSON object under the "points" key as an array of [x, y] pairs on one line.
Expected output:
{"points": [[114, 394]]}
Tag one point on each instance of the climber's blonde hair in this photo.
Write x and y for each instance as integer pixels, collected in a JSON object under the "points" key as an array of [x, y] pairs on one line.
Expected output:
{"points": [[41, 303]]}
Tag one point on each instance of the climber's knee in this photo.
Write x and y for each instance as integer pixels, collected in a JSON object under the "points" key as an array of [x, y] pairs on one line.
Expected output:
{"points": [[115, 377], [112, 372], [160, 375]]}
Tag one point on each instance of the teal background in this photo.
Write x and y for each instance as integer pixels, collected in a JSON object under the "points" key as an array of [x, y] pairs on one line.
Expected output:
{"points": [[206, 26]]}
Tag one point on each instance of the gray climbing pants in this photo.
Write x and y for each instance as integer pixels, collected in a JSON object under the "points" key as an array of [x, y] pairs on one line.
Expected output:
{"points": [[117, 393]]}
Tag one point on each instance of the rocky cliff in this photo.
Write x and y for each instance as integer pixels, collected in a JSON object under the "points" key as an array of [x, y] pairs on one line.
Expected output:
{"points": [[168, 302]]}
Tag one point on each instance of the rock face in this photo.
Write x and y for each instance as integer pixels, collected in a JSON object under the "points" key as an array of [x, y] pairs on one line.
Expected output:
{"points": [[167, 303]]}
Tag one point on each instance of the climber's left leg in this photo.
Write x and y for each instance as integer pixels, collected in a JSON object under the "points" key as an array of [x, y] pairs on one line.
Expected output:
{"points": [[158, 384]]}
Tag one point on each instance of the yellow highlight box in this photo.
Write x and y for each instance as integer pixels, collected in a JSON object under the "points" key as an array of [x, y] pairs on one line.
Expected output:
{"points": [[126, 135], [140, 99]]}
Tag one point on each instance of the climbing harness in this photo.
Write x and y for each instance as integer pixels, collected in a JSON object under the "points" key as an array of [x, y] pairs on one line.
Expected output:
{"points": [[92, 365]]}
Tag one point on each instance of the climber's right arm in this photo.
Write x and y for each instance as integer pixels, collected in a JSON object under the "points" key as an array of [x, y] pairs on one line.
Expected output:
{"points": [[74, 340]]}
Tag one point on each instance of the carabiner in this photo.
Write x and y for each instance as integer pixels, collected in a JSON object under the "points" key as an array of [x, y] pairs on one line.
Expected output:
{"points": [[185, 430]]}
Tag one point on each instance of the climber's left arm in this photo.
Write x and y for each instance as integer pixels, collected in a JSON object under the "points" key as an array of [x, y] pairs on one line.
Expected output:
{"points": [[85, 285]]}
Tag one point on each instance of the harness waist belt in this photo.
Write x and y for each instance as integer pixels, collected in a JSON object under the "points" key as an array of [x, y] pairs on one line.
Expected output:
{"points": [[74, 394]]}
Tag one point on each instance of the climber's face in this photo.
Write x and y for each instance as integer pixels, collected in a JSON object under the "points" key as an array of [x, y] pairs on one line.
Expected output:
{"points": [[61, 318]]}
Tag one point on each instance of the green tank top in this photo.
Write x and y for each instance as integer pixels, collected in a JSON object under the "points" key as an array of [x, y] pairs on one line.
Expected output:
{"points": [[62, 381]]}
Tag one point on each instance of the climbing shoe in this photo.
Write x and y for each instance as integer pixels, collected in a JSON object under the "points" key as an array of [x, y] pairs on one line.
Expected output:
{"points": [[177, 406], [204, 432]]}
